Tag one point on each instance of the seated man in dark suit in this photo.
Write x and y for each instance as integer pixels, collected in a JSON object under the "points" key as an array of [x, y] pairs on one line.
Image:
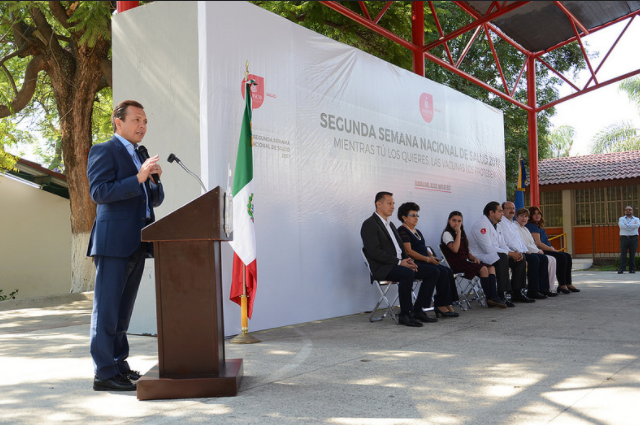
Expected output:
{"points": [[384, 250]]}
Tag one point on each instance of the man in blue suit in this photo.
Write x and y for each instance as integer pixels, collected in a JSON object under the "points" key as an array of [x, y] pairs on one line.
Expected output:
{"points": [[126, 187]]}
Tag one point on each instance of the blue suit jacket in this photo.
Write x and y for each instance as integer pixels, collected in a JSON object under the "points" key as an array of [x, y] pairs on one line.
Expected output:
{"points": [[121, 212]]}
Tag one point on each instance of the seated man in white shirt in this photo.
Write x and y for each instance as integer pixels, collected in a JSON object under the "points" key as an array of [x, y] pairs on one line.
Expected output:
{"points": [[537, 263], [487, 244]]}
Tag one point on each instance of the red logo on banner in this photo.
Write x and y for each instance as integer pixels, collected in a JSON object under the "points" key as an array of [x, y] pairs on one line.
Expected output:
{"points": [[426, 106], [257, 91], [483, 231]]}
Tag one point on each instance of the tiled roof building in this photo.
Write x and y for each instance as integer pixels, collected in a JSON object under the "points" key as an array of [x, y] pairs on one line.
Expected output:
{"points": [[590, 168], [584, 196]]}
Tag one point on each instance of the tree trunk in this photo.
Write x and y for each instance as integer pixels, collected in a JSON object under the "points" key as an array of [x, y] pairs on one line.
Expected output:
{"points": [[75, 104]]}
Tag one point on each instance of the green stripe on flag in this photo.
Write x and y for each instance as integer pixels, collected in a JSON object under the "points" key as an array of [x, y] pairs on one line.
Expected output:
{"points": [[244, 161]]}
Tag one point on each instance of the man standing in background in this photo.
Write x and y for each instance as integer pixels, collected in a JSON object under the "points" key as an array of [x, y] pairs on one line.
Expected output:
{"points": [[628, 239]]}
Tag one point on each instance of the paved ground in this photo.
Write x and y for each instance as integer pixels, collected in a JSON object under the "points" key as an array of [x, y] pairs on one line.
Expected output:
{"points": [[568, 360]]}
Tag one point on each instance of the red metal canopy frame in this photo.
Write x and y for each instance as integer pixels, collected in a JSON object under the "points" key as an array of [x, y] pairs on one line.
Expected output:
{"points": [[421, 51]]}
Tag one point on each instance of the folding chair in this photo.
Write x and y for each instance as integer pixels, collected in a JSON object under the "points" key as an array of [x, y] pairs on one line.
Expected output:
{"points": [[383, 287], [468, 290]]}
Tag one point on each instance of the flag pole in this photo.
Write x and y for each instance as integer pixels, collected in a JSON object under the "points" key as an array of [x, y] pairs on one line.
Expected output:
{"points": [[244, 337]]}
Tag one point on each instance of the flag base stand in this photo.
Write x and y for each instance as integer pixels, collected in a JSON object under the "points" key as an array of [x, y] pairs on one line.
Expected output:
{"points": [[244, 338]]}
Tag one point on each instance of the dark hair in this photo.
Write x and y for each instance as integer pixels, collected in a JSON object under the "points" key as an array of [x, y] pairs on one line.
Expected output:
{"points": [[448, 228], [120, 111], [491, 206], [404, 209], [381, 195], [532, 211], [522, 211]]}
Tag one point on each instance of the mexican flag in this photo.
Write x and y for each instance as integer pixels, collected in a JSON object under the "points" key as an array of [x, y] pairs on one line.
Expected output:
{"points": [[244, 235]]}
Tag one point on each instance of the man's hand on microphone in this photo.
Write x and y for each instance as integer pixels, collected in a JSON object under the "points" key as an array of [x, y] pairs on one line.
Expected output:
{"points": [[150, 166]]}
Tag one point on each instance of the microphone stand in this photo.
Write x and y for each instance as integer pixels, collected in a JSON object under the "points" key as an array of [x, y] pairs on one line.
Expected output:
{"points": [[172, 158]]}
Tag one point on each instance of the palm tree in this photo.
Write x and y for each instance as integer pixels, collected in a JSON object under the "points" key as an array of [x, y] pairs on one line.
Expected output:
{"points": [[622, 136], [561, 141]]}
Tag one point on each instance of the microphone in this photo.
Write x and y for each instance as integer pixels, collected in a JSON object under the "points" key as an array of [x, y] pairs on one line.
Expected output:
{"points": [[172, 158], [145, 155]]}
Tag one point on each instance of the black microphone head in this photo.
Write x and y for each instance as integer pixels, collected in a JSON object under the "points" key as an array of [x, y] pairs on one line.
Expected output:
{"points": [[143, 152], [172, 158]]}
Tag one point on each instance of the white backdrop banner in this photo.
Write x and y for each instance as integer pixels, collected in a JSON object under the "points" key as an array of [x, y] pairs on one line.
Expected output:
{"points": [[332, 127]]}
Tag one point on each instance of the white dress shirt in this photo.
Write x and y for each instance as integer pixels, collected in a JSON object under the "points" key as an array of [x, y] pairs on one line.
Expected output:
{"points": [[486, 241], [512, 236], [628, 226]]}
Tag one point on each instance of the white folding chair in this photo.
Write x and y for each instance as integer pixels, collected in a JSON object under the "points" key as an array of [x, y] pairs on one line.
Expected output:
{"points": [[383, 287], [469, 290]]}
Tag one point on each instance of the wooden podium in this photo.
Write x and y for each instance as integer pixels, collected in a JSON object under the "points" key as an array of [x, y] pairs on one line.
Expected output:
{"points": [[191, 359]]}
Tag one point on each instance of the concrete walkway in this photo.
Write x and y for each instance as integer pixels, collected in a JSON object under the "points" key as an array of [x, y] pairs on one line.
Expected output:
{"points": [[568, 360]]}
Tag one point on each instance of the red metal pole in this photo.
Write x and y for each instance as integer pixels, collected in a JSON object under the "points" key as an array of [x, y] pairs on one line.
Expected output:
{"points": [[474, 80], [534, 188], [417, 35], [126, 5]]}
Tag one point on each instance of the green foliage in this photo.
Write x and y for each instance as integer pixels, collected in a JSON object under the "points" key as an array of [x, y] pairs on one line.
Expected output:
{"points": [[93, 20], [617, 137], [622, 136], [38, 124], [561, 141], [478, 62], [11, 296], [632, 87], [616, 263], [7, 161]]}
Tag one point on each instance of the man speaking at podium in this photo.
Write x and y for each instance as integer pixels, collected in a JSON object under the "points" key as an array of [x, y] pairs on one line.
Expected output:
{"points": [[125, 183]]}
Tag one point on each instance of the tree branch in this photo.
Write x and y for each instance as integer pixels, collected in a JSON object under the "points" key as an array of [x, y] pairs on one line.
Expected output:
{"points": [[28, 88], [10, 78], [44, 29], [59, 12]]}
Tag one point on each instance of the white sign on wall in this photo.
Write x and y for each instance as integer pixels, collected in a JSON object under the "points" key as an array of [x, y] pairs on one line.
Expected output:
{"points": [[332, 126]]}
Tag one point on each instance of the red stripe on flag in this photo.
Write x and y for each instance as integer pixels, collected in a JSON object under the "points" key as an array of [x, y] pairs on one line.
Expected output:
{"points": [[236, 283]]}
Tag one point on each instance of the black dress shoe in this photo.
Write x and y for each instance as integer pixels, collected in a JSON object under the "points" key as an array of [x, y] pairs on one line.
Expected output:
{"points": [[549, 293], [632, 271], [508, 303], [133, 375], [422, 317], [564, 291], [620, 272], [117, 383], [575, 289], [408, 320], [522, 299], [536, 295]]}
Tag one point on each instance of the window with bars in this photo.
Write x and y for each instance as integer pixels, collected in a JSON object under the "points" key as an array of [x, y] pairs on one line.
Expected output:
{"points": [[604, 205], [551, 207]]}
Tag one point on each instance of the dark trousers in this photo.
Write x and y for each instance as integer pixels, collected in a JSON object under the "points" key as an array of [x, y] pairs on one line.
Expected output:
{"points": [[117, 283], [440, 278], [405, 277], [518, 275], [564, 263], [537, 272], [628, 244]]}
